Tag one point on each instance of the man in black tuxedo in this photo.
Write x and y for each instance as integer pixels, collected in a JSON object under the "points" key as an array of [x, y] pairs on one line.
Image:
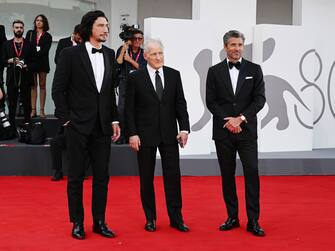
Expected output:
{"points": [[73, 40], [83, 92], [235, 93], [3, 39], [17, 55], [154, 103]]}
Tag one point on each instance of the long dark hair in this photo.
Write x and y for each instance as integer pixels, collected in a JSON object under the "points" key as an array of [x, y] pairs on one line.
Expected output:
{"points": [[44, 20], [87, 22]]}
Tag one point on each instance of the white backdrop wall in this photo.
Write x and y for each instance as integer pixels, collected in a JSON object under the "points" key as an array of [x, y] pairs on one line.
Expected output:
{"points": [[290, 67], [317, 17]]}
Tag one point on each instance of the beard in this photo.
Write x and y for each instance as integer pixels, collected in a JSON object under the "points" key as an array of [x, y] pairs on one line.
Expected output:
{"points": [[18, 34]]}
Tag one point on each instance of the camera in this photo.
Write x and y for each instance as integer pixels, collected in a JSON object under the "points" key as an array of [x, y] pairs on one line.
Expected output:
{"points": [[128, 31], [19, 63], [4, 121]]}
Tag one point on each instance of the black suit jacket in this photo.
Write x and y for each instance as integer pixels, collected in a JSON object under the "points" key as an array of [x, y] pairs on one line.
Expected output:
{"points": [[3, 39], [75, 94], [8, 52], [153, 120], [41, 57], [62, 43], [248, 99]]}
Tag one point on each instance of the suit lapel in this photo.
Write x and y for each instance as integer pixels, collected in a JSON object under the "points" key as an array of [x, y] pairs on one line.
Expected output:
{"points": [[241, 76], [226, 76], [87, 63], [167, 81], [107, 68]]}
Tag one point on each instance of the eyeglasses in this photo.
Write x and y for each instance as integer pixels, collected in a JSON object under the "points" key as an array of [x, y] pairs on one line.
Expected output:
{"points": [[137, 38]]}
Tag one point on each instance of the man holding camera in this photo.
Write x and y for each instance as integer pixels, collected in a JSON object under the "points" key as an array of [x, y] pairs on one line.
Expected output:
{"points": [[129, 58], [17, 58]]}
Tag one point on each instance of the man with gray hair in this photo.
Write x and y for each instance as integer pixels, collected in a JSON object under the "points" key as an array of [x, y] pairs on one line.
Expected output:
{"points": [[235, 93], [154, 103]]}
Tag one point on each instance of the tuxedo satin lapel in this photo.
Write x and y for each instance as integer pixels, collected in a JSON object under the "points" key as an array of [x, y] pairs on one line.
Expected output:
{"points": [[107, 68], [87, 63], [226, 76], [241, 76], [149, 84]]}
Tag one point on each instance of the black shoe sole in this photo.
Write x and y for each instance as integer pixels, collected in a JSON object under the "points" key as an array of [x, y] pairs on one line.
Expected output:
{"points": [[232, 227]]}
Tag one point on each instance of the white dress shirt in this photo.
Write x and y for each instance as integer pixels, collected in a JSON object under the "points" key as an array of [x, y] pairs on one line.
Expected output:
{"points": [[152, 74], [233, 72], [97, 62]]}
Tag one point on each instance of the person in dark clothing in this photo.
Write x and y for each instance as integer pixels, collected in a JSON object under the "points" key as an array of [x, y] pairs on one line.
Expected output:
{"points": [[83, 92], [72, 40], [17, 57], [41, 40], [3, 39], [58, 143], [129, 58]]}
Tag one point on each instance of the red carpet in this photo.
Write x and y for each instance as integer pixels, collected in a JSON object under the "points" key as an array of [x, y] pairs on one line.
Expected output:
{"points": [[298, 213]]}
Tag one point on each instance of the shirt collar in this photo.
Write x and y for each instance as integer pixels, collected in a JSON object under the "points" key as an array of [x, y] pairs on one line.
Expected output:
{"points": [[153, 71], [240, 60], [89, 47]]}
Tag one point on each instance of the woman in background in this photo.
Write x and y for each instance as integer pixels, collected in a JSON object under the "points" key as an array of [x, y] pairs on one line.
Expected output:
{"points": [[41, 40]]}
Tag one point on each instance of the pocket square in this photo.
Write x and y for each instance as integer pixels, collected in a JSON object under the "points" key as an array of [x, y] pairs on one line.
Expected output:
{"points": [[249, 77]]}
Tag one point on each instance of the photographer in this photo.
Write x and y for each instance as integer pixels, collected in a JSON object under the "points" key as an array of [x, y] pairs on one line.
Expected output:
{"points": [[17, 58], [129, 58]]}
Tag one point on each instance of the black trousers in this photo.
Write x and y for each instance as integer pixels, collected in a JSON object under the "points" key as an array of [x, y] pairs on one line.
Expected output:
{"points": [[12, 93], [247, 150], [146, 157], [98, 147], [57, 145]]}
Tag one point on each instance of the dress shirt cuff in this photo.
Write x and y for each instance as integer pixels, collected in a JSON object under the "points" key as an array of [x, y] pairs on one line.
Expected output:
{"points": [[115, 122], [185, 131]]}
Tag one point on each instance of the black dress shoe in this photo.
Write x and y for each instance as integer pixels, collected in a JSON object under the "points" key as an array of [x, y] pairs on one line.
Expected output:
{"points": [[150, 226], [230, 224], [58, 175], [78, 231], [101, 228], [255, 228], [181, 226]]}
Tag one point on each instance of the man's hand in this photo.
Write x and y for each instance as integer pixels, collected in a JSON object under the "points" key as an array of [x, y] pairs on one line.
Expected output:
{"points": [[233, 124], [135, 142], [182, 139], [11, 61], [116, 132]]}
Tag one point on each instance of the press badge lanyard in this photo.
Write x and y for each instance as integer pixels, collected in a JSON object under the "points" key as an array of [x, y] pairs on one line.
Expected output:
{"points": [[38, 38], [18, 54], [137, 56]]}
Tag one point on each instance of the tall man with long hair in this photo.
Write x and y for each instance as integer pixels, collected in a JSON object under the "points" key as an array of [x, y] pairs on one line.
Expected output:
{"points": [[83, 92]]}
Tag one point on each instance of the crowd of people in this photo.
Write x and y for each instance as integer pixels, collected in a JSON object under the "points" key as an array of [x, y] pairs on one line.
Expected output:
{"points": [[151, 115]]}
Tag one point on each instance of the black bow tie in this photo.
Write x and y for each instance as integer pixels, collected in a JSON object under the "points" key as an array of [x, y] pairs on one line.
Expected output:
{"points": [[94, 50], [237, 65]]}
